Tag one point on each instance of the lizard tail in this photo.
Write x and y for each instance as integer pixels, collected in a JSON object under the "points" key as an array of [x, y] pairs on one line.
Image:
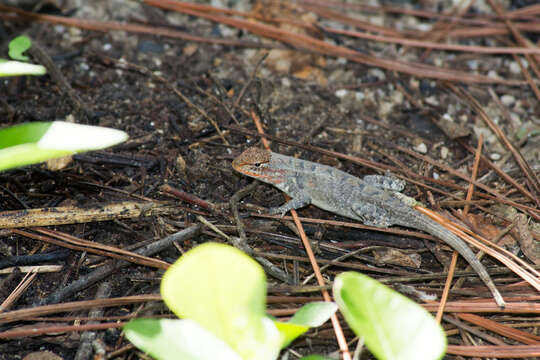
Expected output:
{"points": [[426, 224]]}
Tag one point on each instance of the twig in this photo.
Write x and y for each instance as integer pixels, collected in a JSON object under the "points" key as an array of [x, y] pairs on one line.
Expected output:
{"points": [[114, 265], [241, 242]]}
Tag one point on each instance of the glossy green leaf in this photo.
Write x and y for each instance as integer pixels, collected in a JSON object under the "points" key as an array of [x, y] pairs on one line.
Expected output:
{"points": [[310, 315], [393, 327], [31, 143], [18, 68], [224, 291], [289, 332], [19, 45], [314, 314], [166, 339]]}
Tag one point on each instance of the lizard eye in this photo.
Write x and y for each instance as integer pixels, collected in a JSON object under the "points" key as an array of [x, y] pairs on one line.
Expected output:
{"points": [[257, 165]]}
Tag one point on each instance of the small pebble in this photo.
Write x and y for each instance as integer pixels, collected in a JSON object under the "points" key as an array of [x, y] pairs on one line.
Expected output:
{"points": [[514, 68], [378, 73], [493, 74], [432, 100], [473, 64], [341, 93], [421, 148], [508, 100], [444, 152]]}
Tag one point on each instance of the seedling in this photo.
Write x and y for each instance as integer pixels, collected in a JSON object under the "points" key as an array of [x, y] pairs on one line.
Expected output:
{"points": [[220, 294], [19, 65], [31, 143]]}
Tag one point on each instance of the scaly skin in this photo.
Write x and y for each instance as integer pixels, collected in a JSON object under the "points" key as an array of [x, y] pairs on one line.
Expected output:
{"points": [[374, 200]]}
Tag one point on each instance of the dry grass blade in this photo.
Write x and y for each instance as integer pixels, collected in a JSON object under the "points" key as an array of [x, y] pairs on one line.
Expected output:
{"points": [[501, 329], [17, 315], [71, 242], [522, 163], [465, 211], [528, 274], [56, 329], [308, 43], [434, 45], [505, 351], [18, 291]]}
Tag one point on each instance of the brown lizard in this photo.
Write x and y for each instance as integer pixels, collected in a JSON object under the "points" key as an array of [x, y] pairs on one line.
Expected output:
{"points": [[374, 200]]}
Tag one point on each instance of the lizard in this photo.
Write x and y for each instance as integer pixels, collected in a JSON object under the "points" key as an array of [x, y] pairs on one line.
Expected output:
{"points": [[374, 200]]}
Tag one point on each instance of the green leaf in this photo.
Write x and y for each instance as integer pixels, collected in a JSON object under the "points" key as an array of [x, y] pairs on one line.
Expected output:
{"points": [[39, 141], [17, 68], [393, 326], [167, 339], [289, 332], [17, 46], [310, 315], [224, 291], [314, 314]]}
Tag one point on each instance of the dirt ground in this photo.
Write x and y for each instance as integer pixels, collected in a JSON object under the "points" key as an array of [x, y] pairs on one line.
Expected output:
{"points": [[127, 81]]}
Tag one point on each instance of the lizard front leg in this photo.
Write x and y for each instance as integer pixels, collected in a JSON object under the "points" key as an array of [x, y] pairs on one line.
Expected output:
{"points": [[298, 201]]}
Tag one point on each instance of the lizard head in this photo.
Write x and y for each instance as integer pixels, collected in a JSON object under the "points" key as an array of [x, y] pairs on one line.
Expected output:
{"points": [[252, 161], [256, 163]]}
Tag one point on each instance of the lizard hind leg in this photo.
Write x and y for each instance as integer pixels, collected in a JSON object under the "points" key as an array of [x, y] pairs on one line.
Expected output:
{"points": [[372, 215], [385, 182]]}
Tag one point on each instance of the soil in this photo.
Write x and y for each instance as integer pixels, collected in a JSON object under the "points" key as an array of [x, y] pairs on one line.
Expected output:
{"points": [[329, 102]]}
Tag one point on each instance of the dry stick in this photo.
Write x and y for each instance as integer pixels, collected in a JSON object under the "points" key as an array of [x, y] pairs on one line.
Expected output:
{"points": [[63, 215], [113, 265], [527, 171], [342, 342], [242, 242]]}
